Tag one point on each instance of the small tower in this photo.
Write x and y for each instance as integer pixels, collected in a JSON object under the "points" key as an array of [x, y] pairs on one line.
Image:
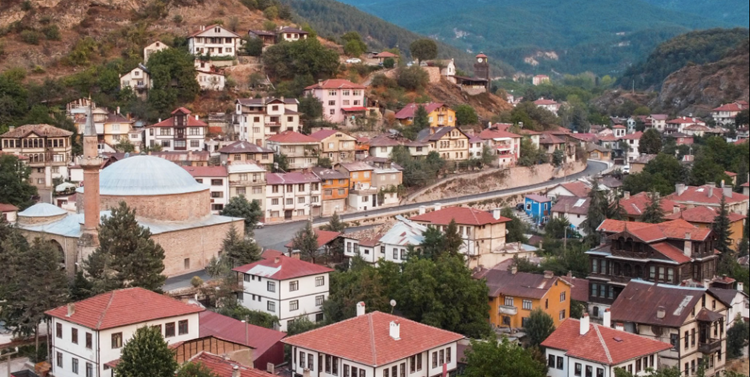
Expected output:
{"points": [[482, 68], [91, 163]]}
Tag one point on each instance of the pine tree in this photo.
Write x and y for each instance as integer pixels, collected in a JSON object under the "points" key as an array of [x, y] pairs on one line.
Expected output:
{"points": [[653, 213], [306, 241], [146, 354], [238, 251], [126, 256], [453, 240]]}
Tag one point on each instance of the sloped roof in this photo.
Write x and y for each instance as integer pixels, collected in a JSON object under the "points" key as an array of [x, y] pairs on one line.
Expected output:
{"points": [[43, 130], [292, 137], [366, 339], [410, 109], [123, 307], [222, 367], [640, 301], [702, 214], [601, 344], [228, 328], [335, 84], [520, 284], [282, 268], [244, 147], [462, 216]]}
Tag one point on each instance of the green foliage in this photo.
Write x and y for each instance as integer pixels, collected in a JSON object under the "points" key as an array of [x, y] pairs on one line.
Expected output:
{"points": [[465, 115], [191, 369], [412, 78], [737, 336], [146, 354], [239, 206], [423, 49], [306, 241], [30, 37], [284, 61], [126, 256], [653, 213], [353, 44], [173, 73], [490, 357], [538, 327], [253, 46], [14, 182], [650, 142]]}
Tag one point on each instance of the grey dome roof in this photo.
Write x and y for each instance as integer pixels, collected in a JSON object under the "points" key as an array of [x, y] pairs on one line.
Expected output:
{"points": [[42, 210], [146, 175]]}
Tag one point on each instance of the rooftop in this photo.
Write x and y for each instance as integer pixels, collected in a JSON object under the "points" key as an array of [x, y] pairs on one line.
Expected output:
{"points": [[123, 307], [282, 268], [462, 216], [366, 339]]}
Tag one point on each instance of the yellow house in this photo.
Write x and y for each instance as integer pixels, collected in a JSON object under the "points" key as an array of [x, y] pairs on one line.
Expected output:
{"points": [[703, 217], [438, 114], [513, 295], [449, 142]]}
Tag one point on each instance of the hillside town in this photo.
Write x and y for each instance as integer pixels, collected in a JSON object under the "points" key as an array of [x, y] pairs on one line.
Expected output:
{"points": [[399, 215]]}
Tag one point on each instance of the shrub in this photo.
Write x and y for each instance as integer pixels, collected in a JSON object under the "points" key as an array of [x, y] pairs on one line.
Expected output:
{"points": [[52, 32], [30, 36]]}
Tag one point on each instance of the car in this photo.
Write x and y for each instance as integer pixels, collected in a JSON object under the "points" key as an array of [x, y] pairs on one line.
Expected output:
{"points": [[353, 61], [259, 225]]}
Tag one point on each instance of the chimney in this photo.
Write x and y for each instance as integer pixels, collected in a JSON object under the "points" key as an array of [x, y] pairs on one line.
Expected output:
{"points": [[549, 274], [438, 206], [607, 320], [71, 309], [513, 269], [688, 249], [360, 308], [661, 312], [584, 322], [235, 371], [496, 213], [395, 330], [679, 188], [626, 195], [676, 208], [422, 210], [619, 326]]}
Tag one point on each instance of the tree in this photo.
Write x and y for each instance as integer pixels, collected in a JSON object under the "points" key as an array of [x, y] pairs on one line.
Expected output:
{"points": [[501, 359], [238, 206], [146, 354], [650, 142], [516, 227], [306, 241], [14, 182], [192, 369], [538, 327], [238, 251], [126, 256], [423, 49], [465, 115], [653, 213], [737, 336]]}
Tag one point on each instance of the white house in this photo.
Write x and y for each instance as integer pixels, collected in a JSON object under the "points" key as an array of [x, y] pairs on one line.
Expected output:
{"points": [[214, 41], [292, 196], [152, 49], [374, 345], [286, 287], [578, 348], [260, 118], [88, 334], [138, 80], [181, 132]]}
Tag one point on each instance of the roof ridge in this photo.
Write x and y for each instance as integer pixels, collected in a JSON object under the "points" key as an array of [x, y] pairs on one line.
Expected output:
{"points": [[104, 312], [604, 344], [372, 341]]}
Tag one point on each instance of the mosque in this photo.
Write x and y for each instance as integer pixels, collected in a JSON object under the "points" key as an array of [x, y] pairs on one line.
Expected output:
{"points": [[167, 200]]}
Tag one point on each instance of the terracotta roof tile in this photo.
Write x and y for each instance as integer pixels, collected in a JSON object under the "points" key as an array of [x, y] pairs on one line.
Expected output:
{"points": [[282, 269], [462, 216], [292, 137], [123, 307], [366, 339]]}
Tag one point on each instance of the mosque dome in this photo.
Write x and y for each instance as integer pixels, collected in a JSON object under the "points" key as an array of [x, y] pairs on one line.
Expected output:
{"points": [[146, 176]]}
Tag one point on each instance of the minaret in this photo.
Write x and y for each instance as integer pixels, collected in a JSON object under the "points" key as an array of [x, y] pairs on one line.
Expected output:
{"points": [[91, 163]]}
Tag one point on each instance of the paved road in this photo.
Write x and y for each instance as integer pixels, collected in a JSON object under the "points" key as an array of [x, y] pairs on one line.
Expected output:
{"points": [[276, 236]]}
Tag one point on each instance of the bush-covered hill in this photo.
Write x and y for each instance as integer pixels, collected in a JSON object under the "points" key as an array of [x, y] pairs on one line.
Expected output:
{"points": [[697, 47]]}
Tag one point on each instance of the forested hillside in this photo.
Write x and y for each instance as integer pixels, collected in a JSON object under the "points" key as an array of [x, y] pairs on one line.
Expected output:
{"points": [[698, 47], [604, 36]]}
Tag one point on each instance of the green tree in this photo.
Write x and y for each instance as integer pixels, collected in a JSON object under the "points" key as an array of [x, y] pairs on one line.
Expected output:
{"points": [[501, 359], [737, 336], [423, 49], [306, 241], [239, 206], [516, 227], [146, 354], [126, 256], [653, 213], [538, 327], [650, 142], [239, 251], [192, 369], [453, 240], [14, 182], [465, 115]]}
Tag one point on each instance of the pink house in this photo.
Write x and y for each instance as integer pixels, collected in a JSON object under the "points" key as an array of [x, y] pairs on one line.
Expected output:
{"points": [[342, 99]]}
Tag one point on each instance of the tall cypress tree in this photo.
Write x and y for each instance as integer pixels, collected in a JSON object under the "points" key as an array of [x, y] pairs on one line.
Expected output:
{"points": [[146, 354]]}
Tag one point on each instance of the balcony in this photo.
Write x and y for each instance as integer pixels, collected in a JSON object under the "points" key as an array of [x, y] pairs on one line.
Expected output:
{"points": [[710, 346], [507, 310]]}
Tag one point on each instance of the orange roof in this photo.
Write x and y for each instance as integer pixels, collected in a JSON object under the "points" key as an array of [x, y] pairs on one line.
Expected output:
{"points": [[222, 367], [462, 216], [292, 137], [601, 344], [335, 84], [123, 307], [636, 204], [702, 214], [366, 339], [282, 268]]}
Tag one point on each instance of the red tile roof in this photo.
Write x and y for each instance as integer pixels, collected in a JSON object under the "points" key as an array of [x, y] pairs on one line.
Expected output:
{"points": [[700, 194], [206, 171], [282, 268], [601, 344], [408, 111], [324, 237], [636, 204], [335, 84], [366, 339], [123, 307], [462, 216], [702, 214], [292, 137], [222, 367], [220, 326]]}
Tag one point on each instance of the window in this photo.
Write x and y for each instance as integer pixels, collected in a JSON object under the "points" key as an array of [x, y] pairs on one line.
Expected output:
{"points": [[182, 327], [560, 362], [117, 340], [508, 301], [578, 369], [293, 305], [271, 286], [293, 285], [320, 281], [58, 330], [169, 330], [527, 304], [319, 300], [74, 335], [89, 340], [74, 365], [271, 306], [562, 296]]}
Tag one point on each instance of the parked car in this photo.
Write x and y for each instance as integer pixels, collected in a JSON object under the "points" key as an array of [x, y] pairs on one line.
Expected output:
{"points": [[353, 61]]}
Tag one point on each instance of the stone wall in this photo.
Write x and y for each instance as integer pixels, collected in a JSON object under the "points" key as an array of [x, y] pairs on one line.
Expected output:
{"points": [[177, 207]]}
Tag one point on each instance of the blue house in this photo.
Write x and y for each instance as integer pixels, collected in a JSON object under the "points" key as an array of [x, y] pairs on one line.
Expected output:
{"points": [[537, 207]]}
